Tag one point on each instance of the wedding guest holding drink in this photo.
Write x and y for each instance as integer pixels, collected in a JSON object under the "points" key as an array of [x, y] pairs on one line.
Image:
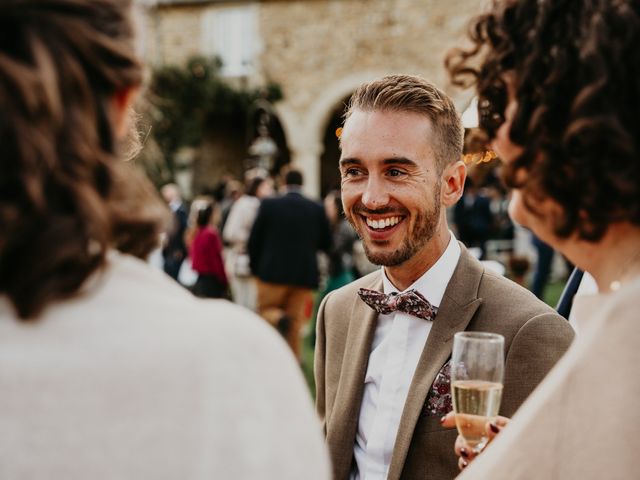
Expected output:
{"points": [[477, 371], [559, 96], [384, 342], [108, 368]]}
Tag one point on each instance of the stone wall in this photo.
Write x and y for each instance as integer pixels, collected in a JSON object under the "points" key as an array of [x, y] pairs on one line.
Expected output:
{"points": [[320, 50], [308, 45], [174, 32]]}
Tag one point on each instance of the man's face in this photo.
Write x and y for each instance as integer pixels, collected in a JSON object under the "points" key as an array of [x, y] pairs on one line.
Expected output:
{"points": [[169, 193], [390, 183]]}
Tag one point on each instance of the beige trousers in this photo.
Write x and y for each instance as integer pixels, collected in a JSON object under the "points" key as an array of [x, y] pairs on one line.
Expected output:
{"points": [[276, 300]]}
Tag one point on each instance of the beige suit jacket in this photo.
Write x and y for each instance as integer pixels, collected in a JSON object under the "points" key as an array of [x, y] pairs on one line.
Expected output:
{"points": [[475, 299]]}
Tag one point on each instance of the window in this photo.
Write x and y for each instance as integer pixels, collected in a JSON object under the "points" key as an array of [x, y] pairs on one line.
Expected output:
{"points": [[231, 34]]}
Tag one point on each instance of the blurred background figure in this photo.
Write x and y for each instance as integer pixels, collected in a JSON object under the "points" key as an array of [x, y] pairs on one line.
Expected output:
{"points": [[502, 227], [206, 257], [108, 368], [542, 269], [544, 266], [187, 276], [236, 234], [287, 234], [231, 192], [174, 250], [341, 267], [473, 218], [518, 267]]}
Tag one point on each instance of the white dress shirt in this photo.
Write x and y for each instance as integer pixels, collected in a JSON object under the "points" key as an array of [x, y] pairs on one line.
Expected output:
{"points": [[397, 345], [174, 205]]}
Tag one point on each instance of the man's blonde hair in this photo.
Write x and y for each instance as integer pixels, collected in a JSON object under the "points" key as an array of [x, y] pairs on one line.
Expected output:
{"points": [[408, 93]]}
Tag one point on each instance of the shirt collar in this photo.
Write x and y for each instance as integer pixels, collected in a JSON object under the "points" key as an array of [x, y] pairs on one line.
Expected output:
{"points": [[434, 281], [293, 189]]}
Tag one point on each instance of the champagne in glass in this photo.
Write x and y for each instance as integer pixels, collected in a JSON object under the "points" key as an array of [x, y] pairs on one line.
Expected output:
{"points": [[477, 366]]}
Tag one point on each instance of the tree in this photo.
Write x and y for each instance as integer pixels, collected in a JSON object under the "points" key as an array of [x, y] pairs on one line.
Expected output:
{"points": [[182, 103]]}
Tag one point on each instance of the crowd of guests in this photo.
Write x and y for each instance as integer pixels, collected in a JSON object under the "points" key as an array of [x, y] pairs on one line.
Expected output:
{"points": [[110, 369], [221, 256], [262, 252]]}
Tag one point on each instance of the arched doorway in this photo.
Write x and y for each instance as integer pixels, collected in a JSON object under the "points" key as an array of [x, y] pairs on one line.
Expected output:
{"points": [[265, 121], [225, 152], [329, 173]]}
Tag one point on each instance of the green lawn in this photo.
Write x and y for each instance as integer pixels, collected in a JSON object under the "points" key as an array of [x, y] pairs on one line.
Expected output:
{"points": [[307, 365], [552, 293]]}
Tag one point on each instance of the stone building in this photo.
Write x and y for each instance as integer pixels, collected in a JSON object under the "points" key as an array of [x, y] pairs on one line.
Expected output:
{"points": [[318, 51]]}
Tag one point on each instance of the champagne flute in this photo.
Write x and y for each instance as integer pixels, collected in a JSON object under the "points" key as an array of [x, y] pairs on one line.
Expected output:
{"points": [[477, 367]]}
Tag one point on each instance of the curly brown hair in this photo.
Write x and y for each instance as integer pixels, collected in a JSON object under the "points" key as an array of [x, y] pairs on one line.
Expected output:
{"points": [[576, 72], [65, 198]]}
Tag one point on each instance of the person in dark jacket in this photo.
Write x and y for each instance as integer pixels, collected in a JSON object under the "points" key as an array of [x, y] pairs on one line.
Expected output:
{"points": [[174, 250], [287, 234], [473, 218]]}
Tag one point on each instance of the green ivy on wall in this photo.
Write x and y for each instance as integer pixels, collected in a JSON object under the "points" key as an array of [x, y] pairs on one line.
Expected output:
{"points": [[182, 103]]}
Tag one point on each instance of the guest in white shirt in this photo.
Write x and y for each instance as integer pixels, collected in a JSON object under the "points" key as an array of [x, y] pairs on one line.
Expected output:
{"points": [[382, 371], [236, 233]]}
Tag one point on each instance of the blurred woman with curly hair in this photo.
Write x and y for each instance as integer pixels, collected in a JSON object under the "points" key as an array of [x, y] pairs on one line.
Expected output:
{"points": [[108, 368], [558, 83]]}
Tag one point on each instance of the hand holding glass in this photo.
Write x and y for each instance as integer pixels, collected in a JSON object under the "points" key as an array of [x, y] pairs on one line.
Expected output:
{"points": [[477, 368]]}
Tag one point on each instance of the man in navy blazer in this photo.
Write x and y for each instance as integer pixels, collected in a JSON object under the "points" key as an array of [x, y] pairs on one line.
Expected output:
{"points": [[288, 232]]}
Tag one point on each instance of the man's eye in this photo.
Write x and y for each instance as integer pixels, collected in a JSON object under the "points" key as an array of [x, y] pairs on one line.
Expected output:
{"points": [[351, 172], [394, 172]]}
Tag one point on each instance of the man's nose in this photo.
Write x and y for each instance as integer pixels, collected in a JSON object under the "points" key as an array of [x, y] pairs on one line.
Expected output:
{"points": [[375, 195]]}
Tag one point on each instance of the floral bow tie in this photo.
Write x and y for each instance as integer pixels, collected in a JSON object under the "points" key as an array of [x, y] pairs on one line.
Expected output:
{"points": [[411, 302]]}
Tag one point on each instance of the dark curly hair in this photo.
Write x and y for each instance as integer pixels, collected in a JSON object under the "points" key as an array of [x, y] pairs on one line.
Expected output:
{"points": [[576, 72], [65, 198]]}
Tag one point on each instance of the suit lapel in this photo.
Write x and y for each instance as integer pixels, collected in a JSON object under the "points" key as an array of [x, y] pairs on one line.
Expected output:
{"points": [[346, 411], [459, 303]]}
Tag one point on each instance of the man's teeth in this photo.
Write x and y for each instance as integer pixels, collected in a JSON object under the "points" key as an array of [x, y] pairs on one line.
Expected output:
{"points": [[383, 223]]}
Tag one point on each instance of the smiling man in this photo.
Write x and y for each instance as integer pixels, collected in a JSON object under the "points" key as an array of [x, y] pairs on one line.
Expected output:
{"points": [[384, 341]]}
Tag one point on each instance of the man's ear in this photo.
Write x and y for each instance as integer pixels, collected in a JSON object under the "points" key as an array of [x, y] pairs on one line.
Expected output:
{"points": [[120, 105], [453, 178]]}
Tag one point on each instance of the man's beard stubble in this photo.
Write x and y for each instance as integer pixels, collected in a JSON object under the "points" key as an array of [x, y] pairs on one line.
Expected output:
{"points": [[423, 230]]}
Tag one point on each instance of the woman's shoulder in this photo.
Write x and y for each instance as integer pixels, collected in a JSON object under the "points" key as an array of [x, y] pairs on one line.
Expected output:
{"points": [[138, 292], [611, 308]]}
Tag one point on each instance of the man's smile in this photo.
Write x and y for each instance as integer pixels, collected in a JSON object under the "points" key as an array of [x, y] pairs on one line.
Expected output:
{"points": [[382, 223]]}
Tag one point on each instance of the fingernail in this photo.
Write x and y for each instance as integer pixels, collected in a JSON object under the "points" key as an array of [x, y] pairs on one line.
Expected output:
{"points": [[465, 464], [494, 428], [443, 419], [464, 453]]}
